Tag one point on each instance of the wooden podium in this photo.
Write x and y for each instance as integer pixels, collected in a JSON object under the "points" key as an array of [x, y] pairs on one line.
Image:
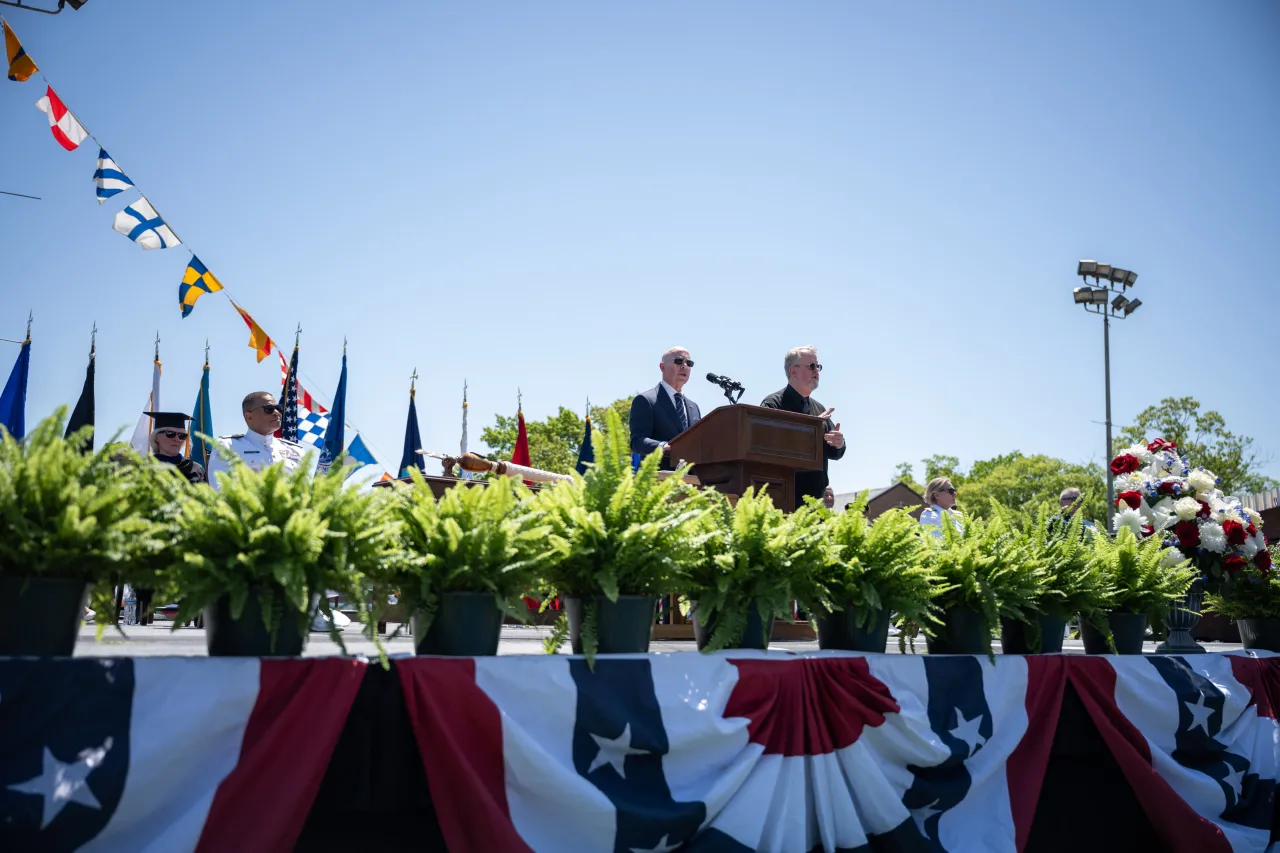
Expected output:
{"points": [[736, 447]]}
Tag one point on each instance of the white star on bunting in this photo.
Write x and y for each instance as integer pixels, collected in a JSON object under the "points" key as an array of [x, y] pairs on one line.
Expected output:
{"points": [[921, 816], [1235, 781], [1200, 714], [614, 751], [60, 783], [967, 731], [661, 848]]}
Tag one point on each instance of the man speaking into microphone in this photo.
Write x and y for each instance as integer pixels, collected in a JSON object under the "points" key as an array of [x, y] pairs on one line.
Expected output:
{"points": [[803, 369], [663, 412]]}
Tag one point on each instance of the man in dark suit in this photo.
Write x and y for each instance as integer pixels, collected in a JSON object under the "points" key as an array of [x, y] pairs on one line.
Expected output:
{"points": [[803, 371], [663, 412]]}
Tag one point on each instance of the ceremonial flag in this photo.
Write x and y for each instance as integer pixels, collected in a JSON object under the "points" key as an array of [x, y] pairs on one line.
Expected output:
{"points": [[141, 440], [289, 394], [21, 66], [586, 453], [520, 453], [359, 453], [466, 475], [179, 754], [335, 432], [202, 420], [13, 400], [305, 400], [108, 177], [259, 340], [196, 281], [82, 414], [141, 224], [66, 129], [411, 458]]}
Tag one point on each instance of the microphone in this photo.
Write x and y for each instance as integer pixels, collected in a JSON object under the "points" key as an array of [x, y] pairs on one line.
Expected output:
{"points": [[724, 382]]}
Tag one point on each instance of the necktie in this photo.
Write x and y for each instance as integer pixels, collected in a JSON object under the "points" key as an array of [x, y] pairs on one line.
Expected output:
{"points": [[681, 415]]}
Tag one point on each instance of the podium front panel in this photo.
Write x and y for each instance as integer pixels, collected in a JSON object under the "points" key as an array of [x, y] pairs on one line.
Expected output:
{"points": [[770, 439]]}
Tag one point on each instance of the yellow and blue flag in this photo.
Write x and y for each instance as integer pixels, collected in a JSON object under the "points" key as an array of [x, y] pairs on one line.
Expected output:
{"points": [[21, 66], [196, 281]]}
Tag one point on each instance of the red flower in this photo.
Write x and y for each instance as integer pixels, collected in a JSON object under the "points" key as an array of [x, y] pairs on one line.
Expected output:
{"points": [[1133, 499], [1147, 530], [1262, 560], [1188, 533], [1234, 563], [1253, 531], [1125, 464], [1234, 531], [1166, 487], [1204, 510], [1160, 444]]}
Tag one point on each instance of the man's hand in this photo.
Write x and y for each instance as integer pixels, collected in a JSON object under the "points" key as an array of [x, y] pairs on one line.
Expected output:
{"points": [[666, 448], [835, 438]]}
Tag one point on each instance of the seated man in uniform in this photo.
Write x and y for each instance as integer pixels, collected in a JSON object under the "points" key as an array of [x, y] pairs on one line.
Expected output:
{"points": [[258, 447], [663, 412]]}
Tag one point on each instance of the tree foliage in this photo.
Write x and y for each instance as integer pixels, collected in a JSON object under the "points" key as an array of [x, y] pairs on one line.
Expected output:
{"points": [[554, 442], [1203, 437], [1014, 481]]}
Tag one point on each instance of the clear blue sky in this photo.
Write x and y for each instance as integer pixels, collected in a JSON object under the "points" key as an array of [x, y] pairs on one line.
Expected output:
{"points": [[547, 195]]}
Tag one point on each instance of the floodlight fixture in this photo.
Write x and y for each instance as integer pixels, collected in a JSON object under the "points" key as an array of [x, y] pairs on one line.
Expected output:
{"points": [[1131, 279], [1082, 295], [1130, 307], [1102, 271], [1099, 296], [1119, 302], [1086, 268], [1118, 275]]}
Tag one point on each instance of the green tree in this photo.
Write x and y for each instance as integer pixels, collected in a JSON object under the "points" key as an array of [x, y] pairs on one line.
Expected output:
{"points": [[554, 441], [903, 473], [943, 466], [1017, 481], [1205, 440]]}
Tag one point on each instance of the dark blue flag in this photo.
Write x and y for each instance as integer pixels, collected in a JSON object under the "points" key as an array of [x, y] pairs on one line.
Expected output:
{"points": [[586, 453], [82, 414], [412, 441], [335, 436], [13, 400]]}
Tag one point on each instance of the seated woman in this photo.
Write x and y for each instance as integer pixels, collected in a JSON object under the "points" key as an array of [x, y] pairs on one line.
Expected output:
{"points": [[940, 495], [169, 436]]}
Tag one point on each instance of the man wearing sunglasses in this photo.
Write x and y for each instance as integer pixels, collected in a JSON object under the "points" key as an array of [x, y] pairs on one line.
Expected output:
{"points": [[663, 412], [803, 370], [258, 447]]}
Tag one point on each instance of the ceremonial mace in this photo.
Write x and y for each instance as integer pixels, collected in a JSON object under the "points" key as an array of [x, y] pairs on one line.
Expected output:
{"points": [[479, 465]]}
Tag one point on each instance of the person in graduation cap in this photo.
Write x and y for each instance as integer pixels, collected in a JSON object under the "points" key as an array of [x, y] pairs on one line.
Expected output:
{"points": [[169, 444]]}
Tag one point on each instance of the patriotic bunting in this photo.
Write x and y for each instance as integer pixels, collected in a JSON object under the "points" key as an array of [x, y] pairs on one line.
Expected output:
{"points": [[197, 280], [69, 132], [21, 66], [141, 224], [108, 177]]}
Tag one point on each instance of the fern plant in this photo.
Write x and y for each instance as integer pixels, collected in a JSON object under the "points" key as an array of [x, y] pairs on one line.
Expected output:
{"points": [[876, 567], [616, 531], [1254, 594], [753, 552], [473, 539], [1141, 574], [284, 538]]}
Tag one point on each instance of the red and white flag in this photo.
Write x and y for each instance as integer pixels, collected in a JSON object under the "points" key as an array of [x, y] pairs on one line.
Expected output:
{"points": [[66, 129]]}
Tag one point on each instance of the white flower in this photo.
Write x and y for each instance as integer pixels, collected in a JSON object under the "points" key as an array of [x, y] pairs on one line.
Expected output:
{"points": [[1164, 463], [1134, 482], [1254, 518], [1131, 519], [1202, 481], [1163, 514], [1248, 549], [1213, 538], [1186, 508], [1259, 540], [1172, 557], [1138, 450]]}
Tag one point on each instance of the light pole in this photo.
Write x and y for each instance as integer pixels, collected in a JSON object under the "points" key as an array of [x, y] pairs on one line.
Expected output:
{"points": [[1098, 299]]}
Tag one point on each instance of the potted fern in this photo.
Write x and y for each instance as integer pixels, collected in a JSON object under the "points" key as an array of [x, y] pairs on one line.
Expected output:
{"points": [[877, 569], [466, 560], [71, 524], [1252, 601], [1144, 579], [617, 539], [258, 555], [984, 583], [756, 561]]}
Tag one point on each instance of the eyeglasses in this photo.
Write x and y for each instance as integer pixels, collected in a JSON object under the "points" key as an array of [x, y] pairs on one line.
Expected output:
{"points": [[813, 365], [171, 435], [682, 360], [273, 409], [948, 491]]}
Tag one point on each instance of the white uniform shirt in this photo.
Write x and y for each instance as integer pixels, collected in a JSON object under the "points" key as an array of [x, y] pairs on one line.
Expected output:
{"points": [[932, 517], [257, 451]]}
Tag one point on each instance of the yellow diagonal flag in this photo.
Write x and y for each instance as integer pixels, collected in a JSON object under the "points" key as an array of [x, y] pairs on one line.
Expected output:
{"points": [[21, 66], [259, 340]]}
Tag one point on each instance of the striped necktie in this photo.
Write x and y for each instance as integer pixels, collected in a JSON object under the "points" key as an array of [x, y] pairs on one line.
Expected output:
{"points": [[681, 414]]}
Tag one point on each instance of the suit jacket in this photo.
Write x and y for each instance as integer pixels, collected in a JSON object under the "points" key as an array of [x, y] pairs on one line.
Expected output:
{"points": [[654, 421], [812, 483]]}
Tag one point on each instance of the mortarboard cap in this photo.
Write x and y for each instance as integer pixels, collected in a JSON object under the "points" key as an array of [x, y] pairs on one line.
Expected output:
{"points": [[169, 420]]}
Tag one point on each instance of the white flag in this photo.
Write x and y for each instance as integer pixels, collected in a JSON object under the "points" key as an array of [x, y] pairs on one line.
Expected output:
{"points": [[141, 440], [141, 224]]}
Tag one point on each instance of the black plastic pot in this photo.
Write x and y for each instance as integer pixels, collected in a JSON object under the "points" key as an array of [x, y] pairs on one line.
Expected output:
{"points": [[1016, 639], [841, 631], [754, 635], [467, 624], [963, 633], [1260, 633], [622, 626], [248, 636], [40, 616], [1127, 631]]}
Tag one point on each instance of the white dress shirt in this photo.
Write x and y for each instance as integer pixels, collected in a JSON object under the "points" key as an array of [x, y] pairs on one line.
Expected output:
{"points": [[932, 517], [258, 451], [679, 404]]}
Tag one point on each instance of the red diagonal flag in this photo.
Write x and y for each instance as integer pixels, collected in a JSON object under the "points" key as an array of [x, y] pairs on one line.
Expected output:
{"points": [[66, 129], [520, 455]]}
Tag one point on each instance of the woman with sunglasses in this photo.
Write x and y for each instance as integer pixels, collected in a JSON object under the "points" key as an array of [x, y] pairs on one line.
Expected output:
{"points": [[940, 495]]}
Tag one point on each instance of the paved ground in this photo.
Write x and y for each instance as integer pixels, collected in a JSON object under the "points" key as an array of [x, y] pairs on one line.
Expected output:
{"points": [[158, 639]]}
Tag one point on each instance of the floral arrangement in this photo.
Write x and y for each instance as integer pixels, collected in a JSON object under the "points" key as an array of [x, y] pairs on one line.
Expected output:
{"points": [[1160, 494]]}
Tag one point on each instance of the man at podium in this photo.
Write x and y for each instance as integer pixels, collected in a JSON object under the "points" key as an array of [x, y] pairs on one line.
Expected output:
{"points": [[803, 369], [663, 412]]}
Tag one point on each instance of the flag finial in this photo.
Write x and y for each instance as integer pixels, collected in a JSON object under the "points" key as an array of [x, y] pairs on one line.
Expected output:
{"points": [[519, 400], [413, 380], [206, 352], [93, 340], [464, 393], [297, 336], [30, 317], [344, 346], [157, 344]]}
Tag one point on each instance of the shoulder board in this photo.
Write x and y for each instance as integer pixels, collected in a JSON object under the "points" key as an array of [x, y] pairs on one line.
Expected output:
{"points": [[231, 437]]}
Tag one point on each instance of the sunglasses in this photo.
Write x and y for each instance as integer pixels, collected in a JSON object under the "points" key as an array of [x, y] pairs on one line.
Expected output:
{"points": [[171, 435], [682, 360], [813, 366], [948, 491], [273, 409]]}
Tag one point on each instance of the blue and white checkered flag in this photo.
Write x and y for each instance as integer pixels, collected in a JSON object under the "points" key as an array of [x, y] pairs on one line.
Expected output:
{"points": [[141, 224], [311, 427], [109, 178]]}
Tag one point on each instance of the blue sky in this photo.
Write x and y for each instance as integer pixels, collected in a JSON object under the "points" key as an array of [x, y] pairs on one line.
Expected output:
{"points": [[546, 195]]}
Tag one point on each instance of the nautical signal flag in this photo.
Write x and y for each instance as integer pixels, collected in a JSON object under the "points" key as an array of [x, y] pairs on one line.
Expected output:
{"points": [[69, 132], [108, 177], [141, 224], [21, 66], [258, 339], [196, 281]]}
